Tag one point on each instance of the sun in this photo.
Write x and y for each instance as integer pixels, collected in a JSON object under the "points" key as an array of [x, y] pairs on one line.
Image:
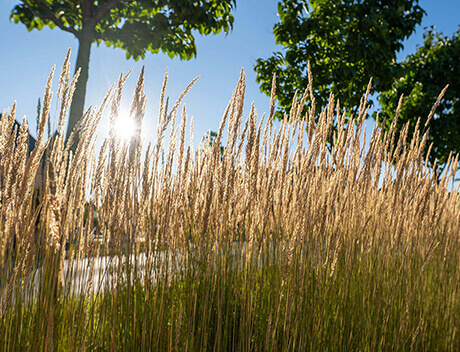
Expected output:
{"points": [[125, 126]]}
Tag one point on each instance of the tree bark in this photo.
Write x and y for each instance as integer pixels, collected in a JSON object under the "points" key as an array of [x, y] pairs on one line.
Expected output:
{"points": [[85, 40]]}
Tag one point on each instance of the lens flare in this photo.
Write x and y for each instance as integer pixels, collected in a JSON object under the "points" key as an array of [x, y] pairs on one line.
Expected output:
{"points": [[125, 126]]}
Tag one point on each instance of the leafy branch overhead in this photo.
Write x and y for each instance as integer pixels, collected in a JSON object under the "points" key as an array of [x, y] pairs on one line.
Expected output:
{"points": [[135, 26], [346, 42]]}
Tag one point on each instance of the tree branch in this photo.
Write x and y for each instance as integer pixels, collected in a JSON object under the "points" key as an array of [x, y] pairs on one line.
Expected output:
{"points": [[104, 10], [49, 16]]}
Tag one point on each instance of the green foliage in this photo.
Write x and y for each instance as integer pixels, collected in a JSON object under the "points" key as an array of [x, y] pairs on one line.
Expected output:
{"points": [[434, 65], [369, 301], [210, 138], [346, 42], [137, 27]]}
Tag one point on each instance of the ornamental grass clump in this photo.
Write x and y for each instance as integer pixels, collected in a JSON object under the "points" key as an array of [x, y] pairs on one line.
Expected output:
{"points": [[293, 238]]}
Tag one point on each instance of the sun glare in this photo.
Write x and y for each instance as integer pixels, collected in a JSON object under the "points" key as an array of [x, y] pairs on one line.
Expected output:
{"points": [[124, 126]]}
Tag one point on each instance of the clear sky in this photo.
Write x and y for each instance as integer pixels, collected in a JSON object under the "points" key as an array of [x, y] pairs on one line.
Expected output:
{"points": [[27, 57]]}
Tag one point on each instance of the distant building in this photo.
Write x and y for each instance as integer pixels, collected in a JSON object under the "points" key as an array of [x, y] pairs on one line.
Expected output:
{"points": [[32, 140], [31, 146]]}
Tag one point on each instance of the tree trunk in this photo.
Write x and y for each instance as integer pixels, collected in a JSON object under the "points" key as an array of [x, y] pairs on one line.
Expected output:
{"points": [[78, 103]]}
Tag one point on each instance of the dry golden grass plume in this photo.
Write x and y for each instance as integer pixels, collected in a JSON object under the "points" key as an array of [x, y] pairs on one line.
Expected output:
{"points": [[279, 209]]}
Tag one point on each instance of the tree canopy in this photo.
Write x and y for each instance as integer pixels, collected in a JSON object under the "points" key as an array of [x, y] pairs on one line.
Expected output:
{"points": [[138, 27], [346, 42], [425, 74]]}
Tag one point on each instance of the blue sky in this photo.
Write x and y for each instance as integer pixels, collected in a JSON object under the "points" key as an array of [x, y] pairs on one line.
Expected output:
{"points": [[27, 58]]}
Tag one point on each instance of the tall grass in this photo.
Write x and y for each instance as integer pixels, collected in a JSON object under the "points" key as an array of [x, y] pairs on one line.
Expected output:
{"points": [[289, 239]]}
